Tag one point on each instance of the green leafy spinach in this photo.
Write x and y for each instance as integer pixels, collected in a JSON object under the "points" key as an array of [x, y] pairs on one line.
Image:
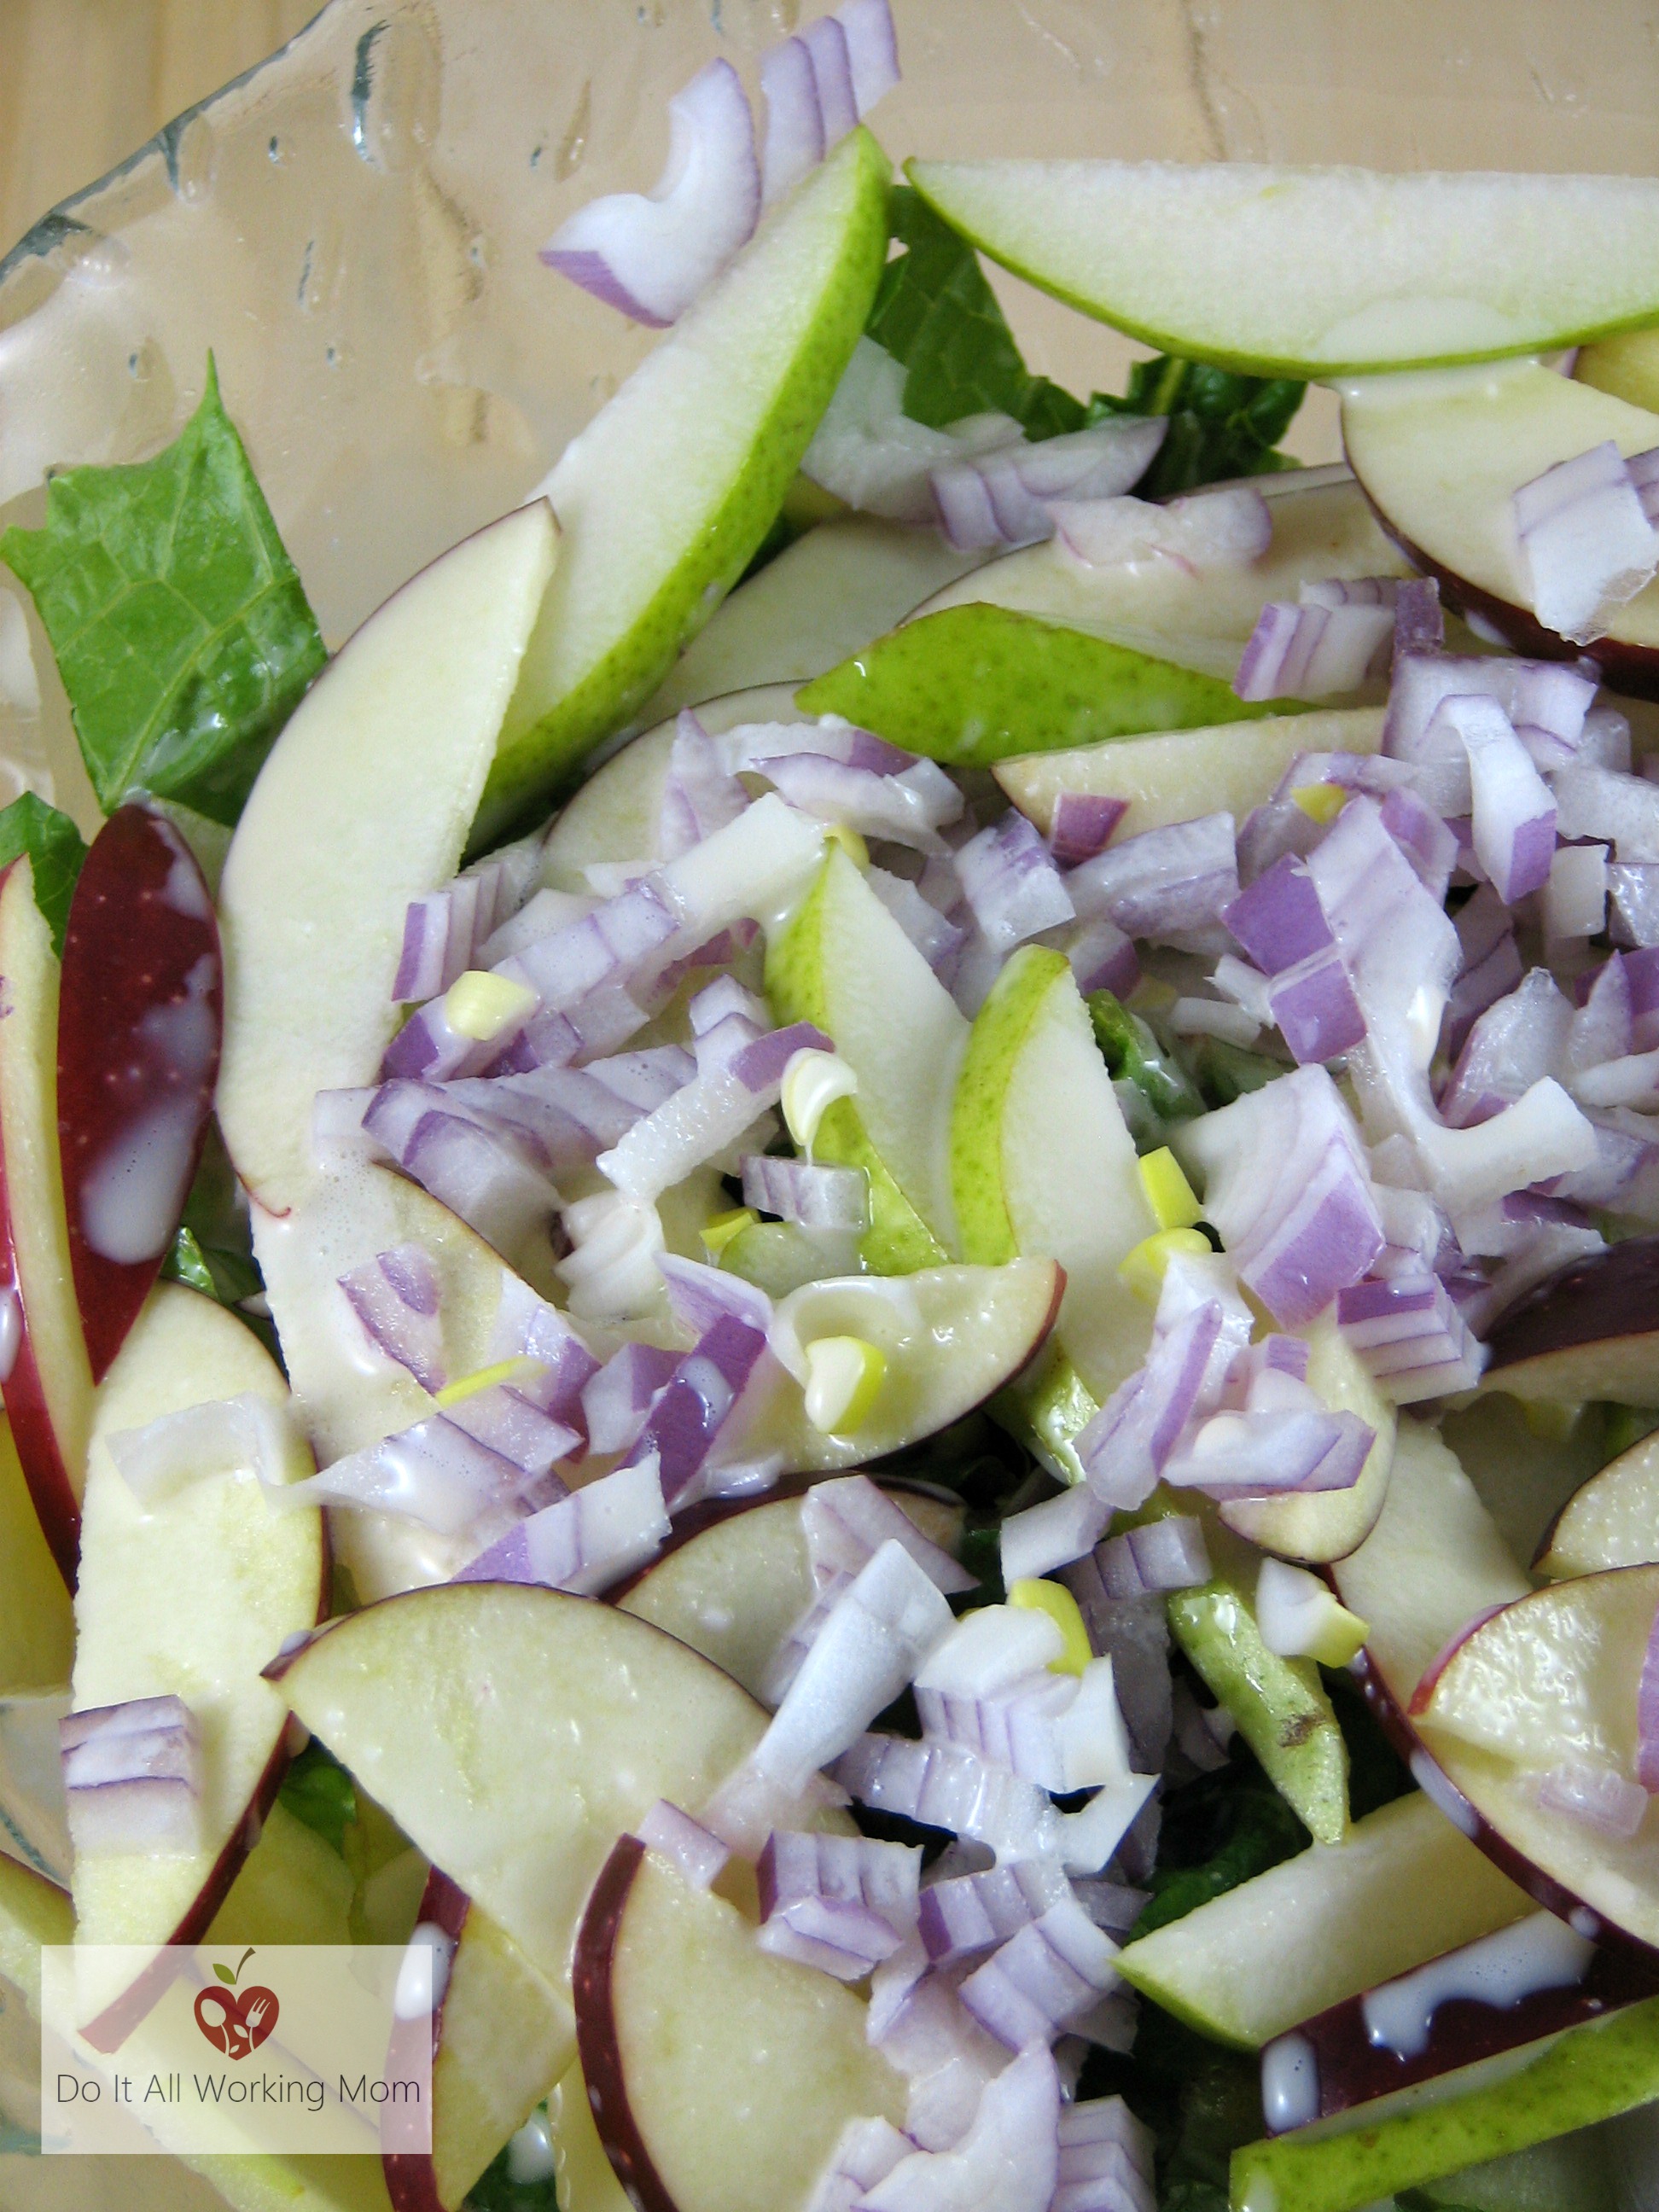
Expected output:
{"points": [[1220, 425], [56, 849], [179, 624], [317, 1790]]}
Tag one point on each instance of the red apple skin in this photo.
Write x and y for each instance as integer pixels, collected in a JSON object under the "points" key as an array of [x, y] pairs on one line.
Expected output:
{"points": [[410, 2181], [142, 940], [1352, 2070], [596, 2031], [1599, 1314]]}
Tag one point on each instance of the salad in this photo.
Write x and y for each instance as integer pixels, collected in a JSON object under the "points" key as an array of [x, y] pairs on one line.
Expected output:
{"points": [[875, 1222]]}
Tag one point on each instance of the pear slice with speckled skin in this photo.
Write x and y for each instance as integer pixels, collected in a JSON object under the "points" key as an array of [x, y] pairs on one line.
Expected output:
{"points": [[973, 685]]}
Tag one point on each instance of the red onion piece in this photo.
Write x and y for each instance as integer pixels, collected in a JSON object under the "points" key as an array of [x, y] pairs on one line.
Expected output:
{"points": [[841, 1903], [1051, 1534], [1106, 2160], [1633, 894], [1514, 814], [1517, 1041], [1012, 884], [479, 1173], [1205, 530], [698, 796], [966, 1913], [508, 1421], [1167, 1554], [617, 1398], [866, 2152], [1046, 1977], [609, 945], [1547, 701], [650, 255], [395, 1297], [867, 451], [938, 940], [1082, 826], [1601, 803], [1312, 651], [1126, 1446], [1423, 838], [585, 1542], [706, 1116], [1266, 1454], [795, 141], [434, 1474], [1411, 1337], [723, 997], [1419, 625], [1491, 964], [1598, 1797], [943, 1786], [1103, 957], [445, 932], [1279, 919], [1008, 2161], [846, 1519], [906, 806], [785, 1662], [872, 51], [1007, 498], [698, 1855], [1314, 1010], [132, 1778], [1170, 885], [1586, 544], [692, 1410], [699, 1296]]}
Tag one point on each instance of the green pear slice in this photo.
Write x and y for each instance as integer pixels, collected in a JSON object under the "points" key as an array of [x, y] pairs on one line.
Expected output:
{"points": [[1488, 2110], [1282, 272], [1440, 456], [587, 2180], [972, 685], [836, 587], [1234, 767], [1322, 527], [363, 804], [668, 491], [842, 961], [514, 1732], [37, 1625], [1611, 1520], [674, 1995], [1400, 1887], [1042, 1162], [189, 1596]]}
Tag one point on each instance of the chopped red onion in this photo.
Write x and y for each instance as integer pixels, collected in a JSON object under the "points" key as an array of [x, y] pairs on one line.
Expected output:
{"points": [[1411, 1337], [1514, 814], [1313, 650], [785, 1663], [1008, 497], [795, 141], [694, 1851], [585, 1542], [651, 255], [1517, 1041], [1205, 530], [1279, 919], [714, 1049], [708, 1116], [1082, 826], [434, 1474], [1423, 838], [395, 1297], [1350, 592], [478, 1174], [841, 1904], [1051, 1534], [1008, 2160], [225, 1436], [1597, 1796], [1600, 803], [1314, 1008], [1265, 1455], [1046, 1976], [872, 51], [607, 946], [133, 1779], [846, 1519], [692, 1409], [508, 1419], [943, 1785], [445, 932], [1604, 1026], [1491, 964], [882, 1626], [1171, 884], [866, 2152], [723, 997], [1063, 1732], [1126, 1446], [1103, 957], [1575, 895], [1632, 894], [937, 939], [698, 796], [1106, 2160], [994, 1648], [1011, 883], [907, 806], [797, 1190], [1419, 626], [1586, 544], [699, 1296], [1216, 1018], [966, 1913], [867, 451], [1547, 701], [1134, 1634], [1631, 1080], [1167, 1554], [527, 1327]]}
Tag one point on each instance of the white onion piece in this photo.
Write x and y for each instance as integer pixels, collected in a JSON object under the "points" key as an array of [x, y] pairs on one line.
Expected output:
{"points": [[1586, 544], [1203, 530], [1312, 651], [133, 1779], [650, 255], [584, 1542], [695, 1852], [1009, 497], [1008, 2161], [1045, 1977], [244, 1435], [846, 1519]]}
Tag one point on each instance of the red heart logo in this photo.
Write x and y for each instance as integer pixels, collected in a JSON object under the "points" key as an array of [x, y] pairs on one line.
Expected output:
{"points": [[245, 2018]]}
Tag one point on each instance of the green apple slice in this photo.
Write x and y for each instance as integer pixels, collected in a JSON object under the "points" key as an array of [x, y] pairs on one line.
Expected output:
{"points": [[971, 685], [1280, 271], [1439, 457], [832, 591], [842, 961], [1612, 1521], [1236, 766], [674, 1994], [253, 1578], [1400, 1887], [668, 491], [1042, 1162], [587, 2180], [363, 804]]}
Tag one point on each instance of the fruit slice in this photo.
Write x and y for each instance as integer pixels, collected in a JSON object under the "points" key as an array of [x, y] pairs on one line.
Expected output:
{"points": [[617, 813], [656, 539], [1281, 271], [842, 961], [188, 1596], [973, 684], [832, 591], [363, 804], [737, 1577], [37, 1622], [1235, 766], [1627, 366], [502, 2036], [1042, 1162], [1402, 1885], [673, 1994], [292, 1888], [587, 2180], [1591, 1331], [519, 1797], [1613, 1521], [1439, 459], [48, 1382], [139, 1026]]}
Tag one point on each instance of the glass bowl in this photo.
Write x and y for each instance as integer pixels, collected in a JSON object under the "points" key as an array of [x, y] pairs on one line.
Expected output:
{"points": [[352, 228]]}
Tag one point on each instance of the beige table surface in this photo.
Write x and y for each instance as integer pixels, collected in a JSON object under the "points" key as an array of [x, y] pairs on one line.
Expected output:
{"points": [[84, 83]]}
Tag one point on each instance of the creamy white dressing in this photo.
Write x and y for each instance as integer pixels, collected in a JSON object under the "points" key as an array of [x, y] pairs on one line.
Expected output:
{"points": [[1539, 1953], [1290, 2083]]}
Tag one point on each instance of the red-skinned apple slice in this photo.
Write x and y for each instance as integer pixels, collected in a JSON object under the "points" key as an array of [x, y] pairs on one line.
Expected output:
{"points": [[720, 2076], [1434, 1562], [502, 2035], [48, 1384], [189, 1596], [138, 1023], [1611, 1520], [1589, 1331], [37, 1620]]}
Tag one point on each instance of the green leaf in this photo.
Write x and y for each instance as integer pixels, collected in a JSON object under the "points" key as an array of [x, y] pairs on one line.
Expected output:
{"points": [[180, 628], [224, 1974], [495, 2190], [1223, 1829], [317, 1790], [1220, 425], [56, 849], [936, 314], [1135, 1055]]}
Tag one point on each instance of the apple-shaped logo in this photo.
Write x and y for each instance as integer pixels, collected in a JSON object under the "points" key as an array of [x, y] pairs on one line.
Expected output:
{"points": [[236, 2021]]}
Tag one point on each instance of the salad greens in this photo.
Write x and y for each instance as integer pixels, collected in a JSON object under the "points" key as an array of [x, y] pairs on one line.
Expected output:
{"points": [[179, 624], [317, 1790], [1221, 425], [56, 849], [1134, 1055]]}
